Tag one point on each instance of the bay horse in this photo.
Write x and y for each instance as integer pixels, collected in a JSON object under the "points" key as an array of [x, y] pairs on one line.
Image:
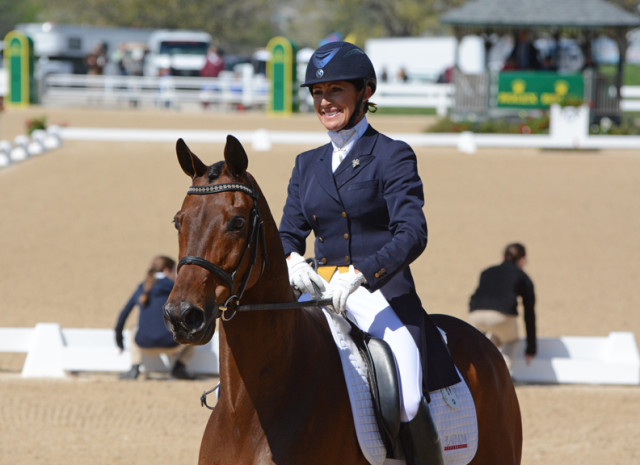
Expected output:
{"points": [[283, 398]]}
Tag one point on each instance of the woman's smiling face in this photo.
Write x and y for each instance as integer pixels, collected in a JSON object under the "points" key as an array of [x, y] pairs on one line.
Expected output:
{"points": [[335, 103]]}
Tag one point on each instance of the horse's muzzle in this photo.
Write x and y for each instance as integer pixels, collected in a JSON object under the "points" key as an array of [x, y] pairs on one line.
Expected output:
{"points": [[188, 323]]}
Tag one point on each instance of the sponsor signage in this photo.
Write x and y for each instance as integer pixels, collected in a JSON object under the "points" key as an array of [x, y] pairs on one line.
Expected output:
{"points": [[541, 89]]}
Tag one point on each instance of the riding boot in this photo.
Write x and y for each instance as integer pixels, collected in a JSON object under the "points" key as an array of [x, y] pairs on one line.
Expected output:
{"points": [[419, 439], [132, 373]]}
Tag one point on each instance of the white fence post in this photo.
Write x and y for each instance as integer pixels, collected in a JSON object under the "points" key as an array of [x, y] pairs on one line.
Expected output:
{"points": [[569, 126], [45, 352]]}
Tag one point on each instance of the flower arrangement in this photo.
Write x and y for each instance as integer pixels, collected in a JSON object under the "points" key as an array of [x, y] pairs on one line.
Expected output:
{"points": [[38, 122]]}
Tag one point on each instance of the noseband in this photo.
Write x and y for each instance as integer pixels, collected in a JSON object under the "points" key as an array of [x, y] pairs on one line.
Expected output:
{"points": [[256, 233]]}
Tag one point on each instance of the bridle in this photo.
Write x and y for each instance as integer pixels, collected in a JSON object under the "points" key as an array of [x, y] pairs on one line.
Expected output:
{"points": [[255, 237]]}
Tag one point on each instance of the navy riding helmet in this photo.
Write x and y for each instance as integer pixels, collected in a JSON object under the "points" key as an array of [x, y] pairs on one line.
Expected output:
{"points": [[340, 61]]}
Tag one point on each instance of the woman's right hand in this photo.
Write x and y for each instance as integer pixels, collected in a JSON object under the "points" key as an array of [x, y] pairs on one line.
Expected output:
{"points": [[303, 276]]}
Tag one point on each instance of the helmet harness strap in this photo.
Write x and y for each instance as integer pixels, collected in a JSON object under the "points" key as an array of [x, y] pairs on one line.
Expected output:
{"points": [[359, 109]]}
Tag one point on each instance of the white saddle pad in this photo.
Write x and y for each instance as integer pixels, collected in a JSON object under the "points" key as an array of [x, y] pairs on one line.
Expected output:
{"points": [[452, 409]]}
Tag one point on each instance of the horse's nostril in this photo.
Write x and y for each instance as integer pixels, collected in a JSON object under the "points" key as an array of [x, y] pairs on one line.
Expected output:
{"points": [[192, 318]]}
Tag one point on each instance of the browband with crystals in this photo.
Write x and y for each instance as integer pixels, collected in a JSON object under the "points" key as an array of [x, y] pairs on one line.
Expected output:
{"points": [[215, 188]]}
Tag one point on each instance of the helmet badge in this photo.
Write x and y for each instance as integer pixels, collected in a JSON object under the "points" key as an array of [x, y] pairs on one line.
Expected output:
{"points": [[322, 57], [319, 73]]}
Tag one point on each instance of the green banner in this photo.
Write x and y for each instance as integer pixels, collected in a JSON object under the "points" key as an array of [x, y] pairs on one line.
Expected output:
{"points": [[537, 89], [281, 73]]}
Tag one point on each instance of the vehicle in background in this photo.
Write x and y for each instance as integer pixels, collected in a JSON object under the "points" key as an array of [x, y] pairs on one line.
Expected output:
{"points": [[176, 52], [63, 48]]}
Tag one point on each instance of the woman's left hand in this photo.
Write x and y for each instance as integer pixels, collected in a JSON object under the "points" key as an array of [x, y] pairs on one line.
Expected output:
{"points": [[341, 287]]}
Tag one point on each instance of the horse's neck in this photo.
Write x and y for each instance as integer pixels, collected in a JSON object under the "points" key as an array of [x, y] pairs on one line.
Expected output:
{"points": [[258, 352], [258, 342]]}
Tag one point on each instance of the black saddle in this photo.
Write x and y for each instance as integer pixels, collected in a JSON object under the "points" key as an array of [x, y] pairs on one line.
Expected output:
{"points": [[384, 386]]}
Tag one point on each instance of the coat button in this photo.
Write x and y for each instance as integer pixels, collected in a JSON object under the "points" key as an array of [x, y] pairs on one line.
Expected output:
{"points": [[346, 236], [323, 261], [320, 238], [314, 217], [346, 258], [344, 214], [380, 272]]}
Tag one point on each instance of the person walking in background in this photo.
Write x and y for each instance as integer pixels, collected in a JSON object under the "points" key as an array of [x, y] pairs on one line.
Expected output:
{"points": [[151, 335], [494, 304]]}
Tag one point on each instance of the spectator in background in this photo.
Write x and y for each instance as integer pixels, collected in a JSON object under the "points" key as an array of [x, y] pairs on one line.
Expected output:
{"points": [[402, 75], [524, 54], [384, 75], [494, 304], [118, 57], [151, 335], [96, 60], [447, 75], [548, 64], [214, 63]]}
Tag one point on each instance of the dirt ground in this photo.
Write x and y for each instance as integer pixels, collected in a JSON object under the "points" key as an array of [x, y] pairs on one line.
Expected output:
{"points": [[79, 225]]}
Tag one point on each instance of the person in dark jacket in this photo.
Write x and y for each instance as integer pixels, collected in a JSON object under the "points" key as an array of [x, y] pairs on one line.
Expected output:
{"points": [[362, 197], [151, 335], [494, 304]]}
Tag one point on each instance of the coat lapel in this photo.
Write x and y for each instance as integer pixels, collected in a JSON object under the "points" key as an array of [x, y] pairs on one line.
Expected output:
{"points": [[359, 157], [325, 173]]}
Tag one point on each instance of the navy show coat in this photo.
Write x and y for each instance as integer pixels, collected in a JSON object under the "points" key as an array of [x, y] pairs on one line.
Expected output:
{"points": [[369, 214], [151, 333]]}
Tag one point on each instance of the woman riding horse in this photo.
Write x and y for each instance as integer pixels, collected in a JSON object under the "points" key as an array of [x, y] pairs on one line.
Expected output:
{"points": [[283, 398], [362, 197]]}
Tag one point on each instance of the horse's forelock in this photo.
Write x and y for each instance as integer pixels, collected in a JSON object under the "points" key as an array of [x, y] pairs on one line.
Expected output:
{"points": [[215, 170]]}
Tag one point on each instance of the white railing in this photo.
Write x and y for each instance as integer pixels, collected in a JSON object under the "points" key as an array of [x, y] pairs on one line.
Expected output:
{"points": [[54, 352], [228, 90], [415, 95], [231, 91], [630, 98]]}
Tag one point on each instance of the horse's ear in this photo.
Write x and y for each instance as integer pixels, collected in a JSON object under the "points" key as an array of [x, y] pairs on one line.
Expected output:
{"points": [[235, 156], [189, 161]]}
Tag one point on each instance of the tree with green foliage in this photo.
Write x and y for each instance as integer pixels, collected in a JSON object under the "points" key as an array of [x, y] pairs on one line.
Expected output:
{"points": [[243, 25], [12, 13], [369, 18]]}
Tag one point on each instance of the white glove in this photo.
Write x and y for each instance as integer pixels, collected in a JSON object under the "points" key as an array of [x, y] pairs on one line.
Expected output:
{"points": [[303, 276], [341, 287]]}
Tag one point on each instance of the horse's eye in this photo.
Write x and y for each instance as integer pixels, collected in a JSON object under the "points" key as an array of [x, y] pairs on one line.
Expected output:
{"points": [[176, 223], [237, 223]]}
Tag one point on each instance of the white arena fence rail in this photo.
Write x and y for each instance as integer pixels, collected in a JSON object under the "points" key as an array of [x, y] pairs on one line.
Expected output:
{"points": [[55, 352], [630, 98], [227, 90], [415, 95], [231, 90]]}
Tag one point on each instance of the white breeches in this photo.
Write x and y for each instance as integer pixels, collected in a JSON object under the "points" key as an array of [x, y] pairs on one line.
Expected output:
{"points": [[371, 312]]}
